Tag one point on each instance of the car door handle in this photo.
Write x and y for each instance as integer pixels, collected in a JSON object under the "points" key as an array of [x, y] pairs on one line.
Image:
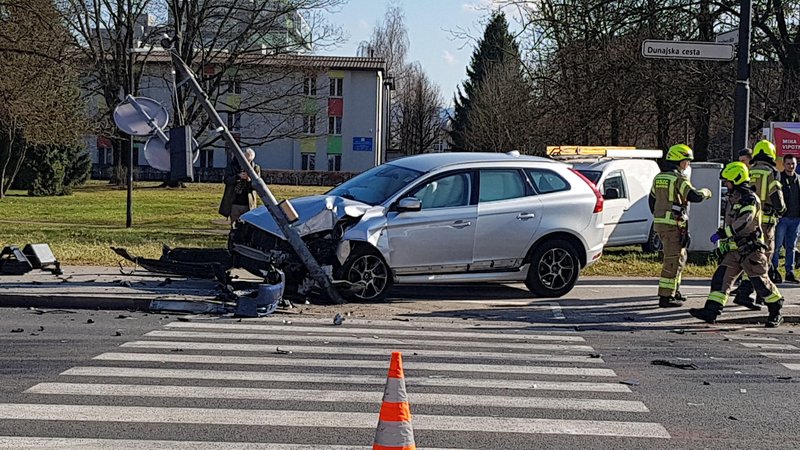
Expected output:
{"points": [[525, 216], [461, 224]]}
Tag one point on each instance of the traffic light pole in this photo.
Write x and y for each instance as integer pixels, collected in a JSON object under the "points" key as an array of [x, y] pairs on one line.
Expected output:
{"points": [[185, 76], [741, 108]]}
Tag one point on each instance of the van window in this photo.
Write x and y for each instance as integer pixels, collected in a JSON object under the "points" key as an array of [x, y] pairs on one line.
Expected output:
{"points": [[546, 181], [615, 181]]}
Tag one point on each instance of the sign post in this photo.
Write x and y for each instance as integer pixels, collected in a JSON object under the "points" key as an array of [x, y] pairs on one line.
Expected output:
{"points": [[741, 105]]}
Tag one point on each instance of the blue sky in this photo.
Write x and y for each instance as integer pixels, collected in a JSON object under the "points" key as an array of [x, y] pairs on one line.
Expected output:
{"points": [[430, 23]]}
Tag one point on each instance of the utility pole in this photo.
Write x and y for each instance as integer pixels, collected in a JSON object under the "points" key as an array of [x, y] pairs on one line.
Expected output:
{"points": [[278, 212], [741, 109], [131, 87]]}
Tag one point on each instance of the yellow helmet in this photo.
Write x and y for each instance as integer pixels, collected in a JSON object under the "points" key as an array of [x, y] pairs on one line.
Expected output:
{"points": [[766, 147], [735, 172], [679, 152]]}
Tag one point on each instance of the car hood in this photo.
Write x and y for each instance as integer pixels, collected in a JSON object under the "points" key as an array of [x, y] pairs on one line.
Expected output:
{"points": [[316, 213]]}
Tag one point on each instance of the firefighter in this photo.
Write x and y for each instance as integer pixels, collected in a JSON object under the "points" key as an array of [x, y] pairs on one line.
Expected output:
{"points": [[741, 248], [669, 197], [765, 179]]}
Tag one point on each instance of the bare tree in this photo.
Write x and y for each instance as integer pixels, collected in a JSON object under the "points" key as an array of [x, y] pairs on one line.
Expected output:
{"points": [[39, 97], [419, 112], [502, 115]]}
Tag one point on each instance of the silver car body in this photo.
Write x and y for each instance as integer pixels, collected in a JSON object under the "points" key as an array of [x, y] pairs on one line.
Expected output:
{"points": [[484, 240]]}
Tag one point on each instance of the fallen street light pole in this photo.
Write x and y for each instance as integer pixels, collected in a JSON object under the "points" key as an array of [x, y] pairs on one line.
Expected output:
{"points": [[185, 76]]}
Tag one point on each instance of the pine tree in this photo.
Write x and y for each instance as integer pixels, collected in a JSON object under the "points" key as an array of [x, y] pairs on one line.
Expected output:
{"points": [[496, 47]]}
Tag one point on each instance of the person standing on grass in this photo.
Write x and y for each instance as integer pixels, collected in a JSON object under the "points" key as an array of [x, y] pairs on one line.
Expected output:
{"points": [[239, 195], [788, 224]]}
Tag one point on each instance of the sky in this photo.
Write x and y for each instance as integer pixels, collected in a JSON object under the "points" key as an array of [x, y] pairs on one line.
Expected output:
{"points": [[431, 23]]}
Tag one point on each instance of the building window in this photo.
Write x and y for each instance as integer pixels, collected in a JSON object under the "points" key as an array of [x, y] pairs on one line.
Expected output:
{"points": [[105, 156], [334, 125], [234, 121], [310, 86], [335, 163], [310, 124], [337, 87], [308, 160], [207, 158], [234, 86]]}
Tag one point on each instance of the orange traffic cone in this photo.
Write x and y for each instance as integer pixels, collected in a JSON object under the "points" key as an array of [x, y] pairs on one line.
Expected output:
{"points": [[394, 424]]}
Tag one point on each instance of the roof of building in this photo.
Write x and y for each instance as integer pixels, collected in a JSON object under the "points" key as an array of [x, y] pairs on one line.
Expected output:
{"points": [[294, 60]]}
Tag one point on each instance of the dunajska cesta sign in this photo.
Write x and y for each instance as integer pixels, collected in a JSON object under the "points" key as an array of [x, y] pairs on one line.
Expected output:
{"points": [[707, 51]]}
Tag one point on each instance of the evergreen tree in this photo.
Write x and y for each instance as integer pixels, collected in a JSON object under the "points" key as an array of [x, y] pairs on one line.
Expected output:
{"points": [[54, 170], [496, 47]]}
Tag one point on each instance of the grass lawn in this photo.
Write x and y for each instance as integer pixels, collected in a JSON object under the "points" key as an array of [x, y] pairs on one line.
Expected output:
{"points": [[81, 227]]}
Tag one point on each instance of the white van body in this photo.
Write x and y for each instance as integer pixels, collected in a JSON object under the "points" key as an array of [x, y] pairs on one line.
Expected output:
{"points": [[626, 214]]}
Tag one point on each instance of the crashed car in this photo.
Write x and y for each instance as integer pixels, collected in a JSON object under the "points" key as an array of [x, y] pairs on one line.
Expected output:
{"points": [[439, 218]]}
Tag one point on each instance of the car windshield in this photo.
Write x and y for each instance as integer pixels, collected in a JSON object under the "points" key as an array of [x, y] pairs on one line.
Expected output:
{"points": [[376, 185], [592, 175]]}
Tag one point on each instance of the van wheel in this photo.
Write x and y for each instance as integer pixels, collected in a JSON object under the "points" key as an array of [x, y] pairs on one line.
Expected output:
{"points": [[553, 269], [653, 243], [369, 274]]}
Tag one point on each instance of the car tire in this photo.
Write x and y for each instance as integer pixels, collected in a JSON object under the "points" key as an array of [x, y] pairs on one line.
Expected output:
{"points": [[366, 266], [653, 243], [554, 268]]}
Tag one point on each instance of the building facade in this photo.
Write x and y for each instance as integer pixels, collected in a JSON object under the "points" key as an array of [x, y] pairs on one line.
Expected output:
{"points": [[327, 114]]}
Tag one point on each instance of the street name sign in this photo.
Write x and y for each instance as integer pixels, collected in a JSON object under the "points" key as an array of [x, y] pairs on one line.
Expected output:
{"points": [[728, 37], [708, 51]]}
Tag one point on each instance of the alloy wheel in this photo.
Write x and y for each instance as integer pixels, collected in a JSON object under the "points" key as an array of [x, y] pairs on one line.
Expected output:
{"points": [[556, 268]]}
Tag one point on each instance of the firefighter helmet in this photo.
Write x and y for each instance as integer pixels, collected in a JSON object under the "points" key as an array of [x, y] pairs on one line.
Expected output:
{"points": [[766, 147], [735, 172], [680, 152]]}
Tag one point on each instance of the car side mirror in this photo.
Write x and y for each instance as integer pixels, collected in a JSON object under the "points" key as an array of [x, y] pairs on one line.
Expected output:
{"points": [[611, 194], [409, 204]]}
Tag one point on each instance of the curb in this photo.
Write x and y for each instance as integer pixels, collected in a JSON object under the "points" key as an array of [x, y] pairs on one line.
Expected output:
{"points": [[74, 302]]}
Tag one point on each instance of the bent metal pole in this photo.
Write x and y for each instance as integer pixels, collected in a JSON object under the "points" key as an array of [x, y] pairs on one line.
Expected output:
{"points": [[186, 76]]}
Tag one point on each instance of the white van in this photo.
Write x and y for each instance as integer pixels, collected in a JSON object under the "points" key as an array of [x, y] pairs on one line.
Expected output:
{"points": [[625, 184]]}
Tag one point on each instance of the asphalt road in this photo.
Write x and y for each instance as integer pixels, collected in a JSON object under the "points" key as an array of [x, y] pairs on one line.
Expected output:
{"points": [[485, 366]]}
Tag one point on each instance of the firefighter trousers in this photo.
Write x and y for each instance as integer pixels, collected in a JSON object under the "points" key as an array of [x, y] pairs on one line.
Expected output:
{"points": [[768, 229], [755, 265], [673, 240]]}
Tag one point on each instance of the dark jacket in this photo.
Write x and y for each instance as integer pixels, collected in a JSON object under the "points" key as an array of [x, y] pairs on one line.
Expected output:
{"points": [[791, 194], [231, 176]]}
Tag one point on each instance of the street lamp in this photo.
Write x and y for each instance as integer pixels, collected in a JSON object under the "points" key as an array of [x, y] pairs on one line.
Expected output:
{"points": [[132, 51]]}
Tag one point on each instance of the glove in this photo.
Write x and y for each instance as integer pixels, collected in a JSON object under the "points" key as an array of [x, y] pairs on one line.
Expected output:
{"points": [[706, 193], [715, 237]]}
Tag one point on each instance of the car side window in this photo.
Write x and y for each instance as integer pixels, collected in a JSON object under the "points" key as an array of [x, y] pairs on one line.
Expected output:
{"points": [[501, 185], [547, 181], [446, 192], [617, 182]]}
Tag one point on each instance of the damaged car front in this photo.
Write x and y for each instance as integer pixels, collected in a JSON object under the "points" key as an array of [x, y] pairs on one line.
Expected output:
{"points": [[344, 229]]}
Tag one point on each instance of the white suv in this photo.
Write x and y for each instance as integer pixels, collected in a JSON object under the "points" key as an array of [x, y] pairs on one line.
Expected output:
{"points": [[441, 218]]}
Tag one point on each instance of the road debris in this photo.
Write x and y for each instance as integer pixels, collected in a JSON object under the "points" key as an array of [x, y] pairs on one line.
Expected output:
{"points": [[17, 330], [732, 418], [338, 319], [661, 362], [89, 320], [117, 333], [630, 382], [280, 351]]}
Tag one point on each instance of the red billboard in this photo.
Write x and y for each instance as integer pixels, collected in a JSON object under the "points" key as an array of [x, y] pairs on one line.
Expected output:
{"points": [[786, 137]]}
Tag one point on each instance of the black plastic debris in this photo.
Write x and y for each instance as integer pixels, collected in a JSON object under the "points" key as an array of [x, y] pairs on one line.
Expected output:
{"points": [[338, 319], [630, 382], [661, 362]]}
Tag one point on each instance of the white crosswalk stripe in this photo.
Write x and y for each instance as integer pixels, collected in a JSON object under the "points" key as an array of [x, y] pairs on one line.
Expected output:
{"points": [[758, 343], [460, 380]]}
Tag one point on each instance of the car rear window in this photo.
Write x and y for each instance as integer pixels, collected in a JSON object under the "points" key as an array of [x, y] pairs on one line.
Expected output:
{"points": [[547, 181]]}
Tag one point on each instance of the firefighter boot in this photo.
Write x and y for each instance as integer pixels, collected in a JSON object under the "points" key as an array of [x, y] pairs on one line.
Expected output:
{"points": [[707, 313], [669, 302], [775, 318], [743, 297], [679, 297]]}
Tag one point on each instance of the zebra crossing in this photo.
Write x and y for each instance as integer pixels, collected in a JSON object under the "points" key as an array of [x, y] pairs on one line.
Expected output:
{"points": [[786, 354], [309, 384]]}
